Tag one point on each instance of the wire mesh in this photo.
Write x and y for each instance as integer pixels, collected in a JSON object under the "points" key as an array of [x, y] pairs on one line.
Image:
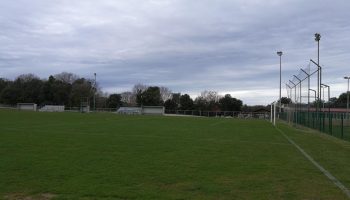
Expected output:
{"points": [[310, 104]]}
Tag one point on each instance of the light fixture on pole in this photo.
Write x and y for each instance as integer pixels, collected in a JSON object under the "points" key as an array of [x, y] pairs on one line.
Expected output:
{"points": [[280, 53], [319, 73]]}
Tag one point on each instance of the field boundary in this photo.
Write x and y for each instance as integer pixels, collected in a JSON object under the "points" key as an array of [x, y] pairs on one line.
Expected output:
{"points": [[317, 165]]}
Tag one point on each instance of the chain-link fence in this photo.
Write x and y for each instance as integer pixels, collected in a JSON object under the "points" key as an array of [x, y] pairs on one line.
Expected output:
{"points": [[310, 104], [332, 123]]}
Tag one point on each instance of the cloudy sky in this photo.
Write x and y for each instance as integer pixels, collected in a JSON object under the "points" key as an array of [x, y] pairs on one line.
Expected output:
{"points": [[187, 45]]}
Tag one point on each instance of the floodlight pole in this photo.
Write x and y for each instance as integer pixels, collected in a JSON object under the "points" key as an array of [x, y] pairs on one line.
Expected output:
{"points": [[95, 93], [319, 73], [280, 53], [347, 96]]}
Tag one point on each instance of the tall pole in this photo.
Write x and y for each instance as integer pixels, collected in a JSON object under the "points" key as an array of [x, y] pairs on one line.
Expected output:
{"points": [[280, 53], [319, 72], [95, 93], [347, 96]]}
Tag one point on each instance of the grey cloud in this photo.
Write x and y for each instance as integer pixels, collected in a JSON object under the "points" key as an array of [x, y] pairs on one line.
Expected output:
{"points": [[188, 46]]}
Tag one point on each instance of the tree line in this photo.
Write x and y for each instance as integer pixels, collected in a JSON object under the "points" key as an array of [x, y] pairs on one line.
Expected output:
{"points": [[69, 89], [61, 89]]}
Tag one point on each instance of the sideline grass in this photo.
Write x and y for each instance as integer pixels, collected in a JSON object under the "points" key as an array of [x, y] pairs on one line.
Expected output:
{"points": [[106, 156]]}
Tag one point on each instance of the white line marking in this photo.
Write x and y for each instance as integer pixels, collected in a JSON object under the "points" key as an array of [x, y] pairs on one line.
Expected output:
{"points": [[323, 170]]}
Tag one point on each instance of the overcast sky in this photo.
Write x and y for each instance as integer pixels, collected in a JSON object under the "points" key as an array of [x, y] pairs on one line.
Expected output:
{"points": [[187, 45]]}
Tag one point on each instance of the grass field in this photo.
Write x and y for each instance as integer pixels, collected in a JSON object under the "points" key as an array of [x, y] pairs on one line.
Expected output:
{"points": [[106, 156]]}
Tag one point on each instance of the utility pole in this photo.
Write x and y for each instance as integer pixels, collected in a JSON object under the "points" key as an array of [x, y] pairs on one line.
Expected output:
{"points": [[280, 53]]}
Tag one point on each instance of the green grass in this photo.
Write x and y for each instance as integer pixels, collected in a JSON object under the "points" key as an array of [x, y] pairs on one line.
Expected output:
{"points": [[106, 156]]}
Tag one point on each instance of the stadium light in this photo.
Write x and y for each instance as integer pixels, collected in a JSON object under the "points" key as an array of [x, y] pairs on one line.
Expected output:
{"points": [[280, 53], [319, 73], [347, 98]]}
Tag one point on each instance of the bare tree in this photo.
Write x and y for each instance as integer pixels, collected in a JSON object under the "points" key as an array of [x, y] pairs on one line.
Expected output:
{"points": [[210, 96], [165, 93], [27, 77], [128, 97], [66, 77], [139, 88]]}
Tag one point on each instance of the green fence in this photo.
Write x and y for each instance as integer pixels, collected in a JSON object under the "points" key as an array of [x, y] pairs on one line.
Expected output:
{"points": [[335, 124]]}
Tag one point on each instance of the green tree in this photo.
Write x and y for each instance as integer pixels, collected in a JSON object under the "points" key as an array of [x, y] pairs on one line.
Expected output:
{"points": [[150, 97], [114, 101], [10, 94], [170, 104], [228, 103], [186, 103], [342, 100], [200, 103]]}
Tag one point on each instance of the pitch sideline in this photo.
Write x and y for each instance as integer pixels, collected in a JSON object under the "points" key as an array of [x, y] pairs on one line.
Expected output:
{"points": [[318, 166]]}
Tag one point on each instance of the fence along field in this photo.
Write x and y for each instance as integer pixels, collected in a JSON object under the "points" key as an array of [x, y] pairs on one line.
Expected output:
{"points": [[310, 105], [108, 156]]}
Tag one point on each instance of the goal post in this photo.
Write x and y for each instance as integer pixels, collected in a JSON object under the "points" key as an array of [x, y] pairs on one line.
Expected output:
{"points": [[273, 115]]}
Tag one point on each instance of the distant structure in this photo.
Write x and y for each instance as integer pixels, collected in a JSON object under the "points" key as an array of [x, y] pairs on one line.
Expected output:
{"points": [[27, 106], [153, 110], [52, 108], [130, 110], [144, 110]]}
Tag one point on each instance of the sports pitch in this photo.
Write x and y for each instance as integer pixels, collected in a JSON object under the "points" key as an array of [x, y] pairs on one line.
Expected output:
{"points": [[108, 156]]}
